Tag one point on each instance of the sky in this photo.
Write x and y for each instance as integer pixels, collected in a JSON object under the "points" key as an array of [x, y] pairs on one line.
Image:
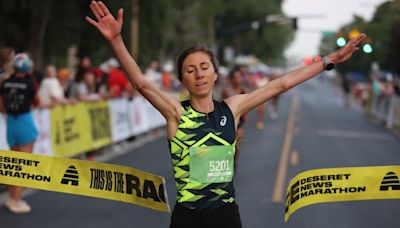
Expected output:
{"points": [[322, 15]]}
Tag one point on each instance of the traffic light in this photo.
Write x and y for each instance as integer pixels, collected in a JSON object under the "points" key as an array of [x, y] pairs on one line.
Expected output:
{"points": [[367, 48], [341, 41], [354, 33]]}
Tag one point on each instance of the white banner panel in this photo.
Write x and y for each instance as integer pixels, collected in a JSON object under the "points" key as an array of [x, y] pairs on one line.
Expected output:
{"points": [[120, 121], [3, 133], [42, 121], [138, 115], [157, 119]]}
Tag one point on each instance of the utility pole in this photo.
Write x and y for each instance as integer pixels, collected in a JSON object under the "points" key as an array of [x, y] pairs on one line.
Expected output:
{"points": [[135, 29], [211, 30]]}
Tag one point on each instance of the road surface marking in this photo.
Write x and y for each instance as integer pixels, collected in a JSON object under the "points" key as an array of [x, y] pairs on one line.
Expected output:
{"points": [[294, 158], [353, 134], [277, 195]]}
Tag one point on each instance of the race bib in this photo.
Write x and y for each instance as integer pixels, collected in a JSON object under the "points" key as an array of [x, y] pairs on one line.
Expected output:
{"points": [[212, 164]]}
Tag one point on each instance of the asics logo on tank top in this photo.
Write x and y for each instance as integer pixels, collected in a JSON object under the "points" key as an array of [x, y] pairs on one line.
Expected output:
{"points": [[223, 121]]}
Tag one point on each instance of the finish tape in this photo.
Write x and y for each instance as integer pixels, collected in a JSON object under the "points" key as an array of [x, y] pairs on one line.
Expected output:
{"points": [[84, 178], [342, 184]]}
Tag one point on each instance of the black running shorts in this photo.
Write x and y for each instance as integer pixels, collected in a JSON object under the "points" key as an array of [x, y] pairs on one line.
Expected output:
{"points": [[225, 216]]}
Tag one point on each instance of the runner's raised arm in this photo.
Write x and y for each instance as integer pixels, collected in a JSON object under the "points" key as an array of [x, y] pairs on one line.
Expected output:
{"points": [[110, 28], [241, 104]]}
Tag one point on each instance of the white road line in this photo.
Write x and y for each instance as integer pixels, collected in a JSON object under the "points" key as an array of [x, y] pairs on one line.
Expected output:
{"points": [[279, 188], [353, 134]]}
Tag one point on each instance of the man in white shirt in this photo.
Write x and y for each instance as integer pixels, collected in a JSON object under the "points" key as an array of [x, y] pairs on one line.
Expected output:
{"points": [[50, 91]]}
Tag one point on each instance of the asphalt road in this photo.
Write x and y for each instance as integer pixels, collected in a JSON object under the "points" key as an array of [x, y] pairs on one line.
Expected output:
{"points": [[312, 131]]}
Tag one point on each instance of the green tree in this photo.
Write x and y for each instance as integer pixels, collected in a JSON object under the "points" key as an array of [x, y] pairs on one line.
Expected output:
{"points": [[380, 29], [394, 50], [268, 42], [23, 24], [155, 29], [48, 28], [394, 54]]}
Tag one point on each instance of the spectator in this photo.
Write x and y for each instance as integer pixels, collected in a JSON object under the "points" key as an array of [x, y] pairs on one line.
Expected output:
{"points": [[50, 91], [100, 82], [66, 82], [234, 86], [117, 82], [85, 89], [346, 87], [167, 77], [273, 105], [84, 65], [376, 87], [17, 94], [6, 67], [153, 74], [396, 110], [390, 99], [258, 80]]}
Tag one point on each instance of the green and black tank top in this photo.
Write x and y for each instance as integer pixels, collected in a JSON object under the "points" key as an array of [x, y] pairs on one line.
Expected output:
{"points": [[198, 129]]}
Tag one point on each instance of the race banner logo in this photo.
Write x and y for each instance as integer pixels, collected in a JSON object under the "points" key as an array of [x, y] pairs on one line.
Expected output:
{"points": [[391, 180], [71, 176]]}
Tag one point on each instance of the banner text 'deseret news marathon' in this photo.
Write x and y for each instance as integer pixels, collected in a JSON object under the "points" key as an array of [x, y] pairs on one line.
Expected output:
{"points": [[342, 184]]}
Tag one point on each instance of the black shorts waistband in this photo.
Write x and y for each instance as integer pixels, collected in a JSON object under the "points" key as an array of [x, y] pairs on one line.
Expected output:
{"points": [[224, 216]]}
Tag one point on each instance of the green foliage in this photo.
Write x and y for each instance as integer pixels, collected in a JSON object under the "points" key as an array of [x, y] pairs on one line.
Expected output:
{"points": [[360, 61], [268, 42], [394, 54], [381, 28], [13, 32], [154, 29], [165, 27]]}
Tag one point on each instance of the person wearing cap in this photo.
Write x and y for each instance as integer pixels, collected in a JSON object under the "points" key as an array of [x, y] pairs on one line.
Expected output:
{"points": [[17, 94], [66, 82], [117, 82]]}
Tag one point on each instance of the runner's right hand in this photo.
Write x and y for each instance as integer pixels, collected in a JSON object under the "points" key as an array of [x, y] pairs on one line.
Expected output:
{"points": [[109, 27]]}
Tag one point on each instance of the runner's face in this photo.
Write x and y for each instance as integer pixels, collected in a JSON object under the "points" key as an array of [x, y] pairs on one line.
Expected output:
{"points": [[198, 74]]}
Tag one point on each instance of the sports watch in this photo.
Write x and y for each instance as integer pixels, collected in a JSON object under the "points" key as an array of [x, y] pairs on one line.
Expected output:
{"points": [[328, 65]]}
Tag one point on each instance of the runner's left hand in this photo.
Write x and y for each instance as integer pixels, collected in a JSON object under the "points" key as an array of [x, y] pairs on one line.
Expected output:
{"points": [[347, 51]]}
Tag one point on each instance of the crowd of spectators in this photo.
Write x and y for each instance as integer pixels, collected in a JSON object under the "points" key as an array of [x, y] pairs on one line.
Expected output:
{"points": [[59, 85], [24, 87]]}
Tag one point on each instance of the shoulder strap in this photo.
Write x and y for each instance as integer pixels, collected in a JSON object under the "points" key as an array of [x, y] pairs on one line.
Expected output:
{"points": [[185, 103], [224, 106]]}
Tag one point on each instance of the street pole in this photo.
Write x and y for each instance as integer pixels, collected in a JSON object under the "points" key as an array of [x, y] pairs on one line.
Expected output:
{"points": [[135, 29], [211, 30]]}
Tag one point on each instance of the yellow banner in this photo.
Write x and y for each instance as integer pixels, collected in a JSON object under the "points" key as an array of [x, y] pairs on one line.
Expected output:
{"points": [[79, 128], [342, 184], [99, 119], [70, 134], [85, 178]]}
